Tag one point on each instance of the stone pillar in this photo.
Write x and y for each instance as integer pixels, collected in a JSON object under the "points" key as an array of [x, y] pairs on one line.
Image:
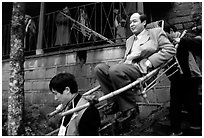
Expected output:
{"points": [[39, 49], [140, 7]]}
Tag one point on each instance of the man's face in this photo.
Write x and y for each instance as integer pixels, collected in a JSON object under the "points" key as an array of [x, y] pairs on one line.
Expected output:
{"points": [[63, 98], [136, 26]]}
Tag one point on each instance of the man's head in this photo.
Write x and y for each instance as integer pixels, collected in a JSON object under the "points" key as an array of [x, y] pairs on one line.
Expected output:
{"points": [[137, 23], [63, 86]]}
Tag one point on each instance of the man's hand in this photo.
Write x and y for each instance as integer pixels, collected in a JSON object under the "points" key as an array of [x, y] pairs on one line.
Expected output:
{"points": [[128, 61], [176, 40], [148, 64], [194, 28], [59, 107]]}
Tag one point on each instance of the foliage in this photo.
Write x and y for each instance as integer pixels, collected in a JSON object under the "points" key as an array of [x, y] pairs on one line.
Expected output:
{"points": [[36, 121]]}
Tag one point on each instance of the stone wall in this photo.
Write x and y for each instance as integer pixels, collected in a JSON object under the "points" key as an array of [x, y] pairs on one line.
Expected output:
{"points": [[181, 12], [40, 69]]}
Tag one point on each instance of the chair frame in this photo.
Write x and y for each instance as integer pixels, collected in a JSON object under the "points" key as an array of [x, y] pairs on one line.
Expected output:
{"points": [[141, 82]]}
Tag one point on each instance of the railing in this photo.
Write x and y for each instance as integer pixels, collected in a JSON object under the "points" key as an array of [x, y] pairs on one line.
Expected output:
{"points": [[6, 40], [61, 33]]}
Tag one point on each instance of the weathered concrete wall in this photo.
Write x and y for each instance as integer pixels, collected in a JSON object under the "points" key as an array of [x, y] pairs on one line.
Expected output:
{"points": [[181, 12], [40, 69]]}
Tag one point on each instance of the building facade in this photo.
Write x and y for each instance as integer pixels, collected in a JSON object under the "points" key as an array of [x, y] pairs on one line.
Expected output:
{"points": [[80, 55]]}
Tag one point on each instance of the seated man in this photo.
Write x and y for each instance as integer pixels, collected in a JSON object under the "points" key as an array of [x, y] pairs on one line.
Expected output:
{"points": [[86, 122], [145, 50]]}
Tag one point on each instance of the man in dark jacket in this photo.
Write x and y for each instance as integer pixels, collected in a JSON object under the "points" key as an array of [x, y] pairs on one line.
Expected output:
{"points": [[185, 87]]}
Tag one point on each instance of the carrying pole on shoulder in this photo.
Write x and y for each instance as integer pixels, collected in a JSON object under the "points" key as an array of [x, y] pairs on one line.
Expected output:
{"points": [[92, 90], [114, 93], [176, 46]]}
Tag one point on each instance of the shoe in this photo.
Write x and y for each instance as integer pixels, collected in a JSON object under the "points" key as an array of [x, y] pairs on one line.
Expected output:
{"points": [[176, 134], [196, 124], [112, 110], [195, 127]]}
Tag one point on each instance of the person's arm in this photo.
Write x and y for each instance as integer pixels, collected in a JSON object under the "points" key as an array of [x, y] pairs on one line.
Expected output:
{"points": [[197, 28], [27, 25], [166, 49], [116, 21], [192, 44], [132, 56], [116, 17], [90, 122]]}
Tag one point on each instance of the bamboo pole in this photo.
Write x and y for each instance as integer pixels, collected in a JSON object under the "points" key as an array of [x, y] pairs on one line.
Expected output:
{"points": [[92, 90], [114, 93], [176, 46], [139, 80], [53, 132]]}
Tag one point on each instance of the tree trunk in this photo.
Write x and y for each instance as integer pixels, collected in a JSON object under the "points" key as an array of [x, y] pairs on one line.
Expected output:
{"points": [[16, 82]]}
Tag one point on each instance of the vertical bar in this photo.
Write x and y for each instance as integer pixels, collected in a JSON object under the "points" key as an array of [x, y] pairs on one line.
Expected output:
{"points": [[48, 31], [95, 17], [101, 18], [52, 36], [114, 30], [8, 37], [78, 19], [140, 7], [39, 49], [4, 36], [120, 11]]}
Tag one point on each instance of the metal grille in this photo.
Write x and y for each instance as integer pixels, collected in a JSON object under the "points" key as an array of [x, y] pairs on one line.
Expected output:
{"points": [[99, 17]]}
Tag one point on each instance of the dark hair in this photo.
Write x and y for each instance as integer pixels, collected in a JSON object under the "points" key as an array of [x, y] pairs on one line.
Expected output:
{"points": [[173, 27], [63, 80], [143, 17], [167, 27]]}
